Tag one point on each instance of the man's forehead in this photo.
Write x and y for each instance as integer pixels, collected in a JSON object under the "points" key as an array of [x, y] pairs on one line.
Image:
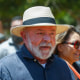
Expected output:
{"points": [[42, 28]]}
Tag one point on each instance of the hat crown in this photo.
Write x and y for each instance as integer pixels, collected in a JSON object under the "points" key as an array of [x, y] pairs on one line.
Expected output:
{"points": [[36, 12]]}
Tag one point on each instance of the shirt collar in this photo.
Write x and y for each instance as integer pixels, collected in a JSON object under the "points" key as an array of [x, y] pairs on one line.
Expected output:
{"points": [[27, 54]]}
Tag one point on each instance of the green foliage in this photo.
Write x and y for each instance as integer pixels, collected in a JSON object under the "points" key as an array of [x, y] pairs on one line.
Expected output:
{"points": [[65, 11]]}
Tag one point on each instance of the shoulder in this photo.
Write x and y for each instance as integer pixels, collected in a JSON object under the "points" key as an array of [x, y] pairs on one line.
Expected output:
{"points": [[61, 64], [5, 44], [6, 48], [9, 62], [6, 65], [63, 68], [59, 60], [10, 65], [9, 59]]}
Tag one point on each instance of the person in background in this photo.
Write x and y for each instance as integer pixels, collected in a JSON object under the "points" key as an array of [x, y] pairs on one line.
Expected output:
{"points": [[1, 27], [35, 59], [77, 63], [2, 38], [14, 42], [68, 48], [2, 35]]}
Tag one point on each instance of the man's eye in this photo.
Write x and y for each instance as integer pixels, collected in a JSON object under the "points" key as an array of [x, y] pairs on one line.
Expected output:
{"points": [[51, 33], [40, 33]]}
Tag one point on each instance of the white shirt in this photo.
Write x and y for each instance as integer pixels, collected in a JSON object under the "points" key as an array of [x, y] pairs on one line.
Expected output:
{"points": [[6, 48]]}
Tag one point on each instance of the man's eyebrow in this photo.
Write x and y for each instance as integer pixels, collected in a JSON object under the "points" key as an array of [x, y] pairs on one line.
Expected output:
{"points": [[39, 29], [43, 30]]}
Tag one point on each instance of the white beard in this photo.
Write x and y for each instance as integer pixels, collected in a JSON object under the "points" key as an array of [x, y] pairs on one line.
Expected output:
{"points": [[36, 51]]}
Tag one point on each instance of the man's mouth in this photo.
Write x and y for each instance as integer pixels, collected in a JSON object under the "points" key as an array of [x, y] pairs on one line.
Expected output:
{"points": [[45, 47]]}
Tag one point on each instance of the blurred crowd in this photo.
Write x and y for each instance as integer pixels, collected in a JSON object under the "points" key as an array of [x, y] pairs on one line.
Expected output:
{"points": [[13, 43]]}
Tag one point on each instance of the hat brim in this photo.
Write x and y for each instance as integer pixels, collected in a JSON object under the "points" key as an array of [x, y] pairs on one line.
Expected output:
{"points": [[60, 28]]}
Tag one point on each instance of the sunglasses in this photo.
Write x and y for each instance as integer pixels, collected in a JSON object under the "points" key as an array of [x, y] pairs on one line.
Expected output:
{"points": [[76, 44]]}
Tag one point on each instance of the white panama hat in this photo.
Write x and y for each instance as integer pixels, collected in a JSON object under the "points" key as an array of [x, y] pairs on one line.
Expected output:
{"points": [[38, 16]]}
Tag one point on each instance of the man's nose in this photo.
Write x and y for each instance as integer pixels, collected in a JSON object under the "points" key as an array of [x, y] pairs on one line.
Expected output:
{"points": [[47, 37]]}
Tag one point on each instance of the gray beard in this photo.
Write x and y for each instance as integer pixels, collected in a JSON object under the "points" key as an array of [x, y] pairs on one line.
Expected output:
{"points": [[35, 50]]}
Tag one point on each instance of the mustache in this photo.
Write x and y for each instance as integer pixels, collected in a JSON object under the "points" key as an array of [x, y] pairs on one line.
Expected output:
{"points": [[46, 44]]}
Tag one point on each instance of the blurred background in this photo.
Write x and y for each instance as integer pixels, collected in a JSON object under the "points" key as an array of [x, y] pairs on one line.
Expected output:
{"points": [[65, 11]]}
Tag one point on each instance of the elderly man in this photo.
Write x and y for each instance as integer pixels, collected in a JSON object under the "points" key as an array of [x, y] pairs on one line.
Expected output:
{"points": [[35, 60]]}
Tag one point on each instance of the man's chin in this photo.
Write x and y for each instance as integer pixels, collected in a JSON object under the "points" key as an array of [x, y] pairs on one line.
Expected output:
{"points": [[45, 56]]}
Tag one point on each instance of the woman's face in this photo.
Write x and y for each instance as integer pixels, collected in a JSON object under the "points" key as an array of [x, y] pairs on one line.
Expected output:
{"points": [[68, 51]]}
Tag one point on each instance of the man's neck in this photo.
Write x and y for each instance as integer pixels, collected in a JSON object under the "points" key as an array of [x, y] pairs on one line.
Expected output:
{"points": [[41, 61]]}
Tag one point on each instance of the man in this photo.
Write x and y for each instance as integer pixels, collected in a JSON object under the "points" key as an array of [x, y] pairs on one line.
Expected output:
{"points": [[35, 60], [14, 42]]}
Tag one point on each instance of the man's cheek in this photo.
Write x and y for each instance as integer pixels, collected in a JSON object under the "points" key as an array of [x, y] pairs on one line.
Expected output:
{"points": [[36, 41], [53, 42]]}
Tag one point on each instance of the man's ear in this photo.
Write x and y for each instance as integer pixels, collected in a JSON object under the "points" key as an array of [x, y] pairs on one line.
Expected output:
{"points": [[23, 35], [60, 47]]}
